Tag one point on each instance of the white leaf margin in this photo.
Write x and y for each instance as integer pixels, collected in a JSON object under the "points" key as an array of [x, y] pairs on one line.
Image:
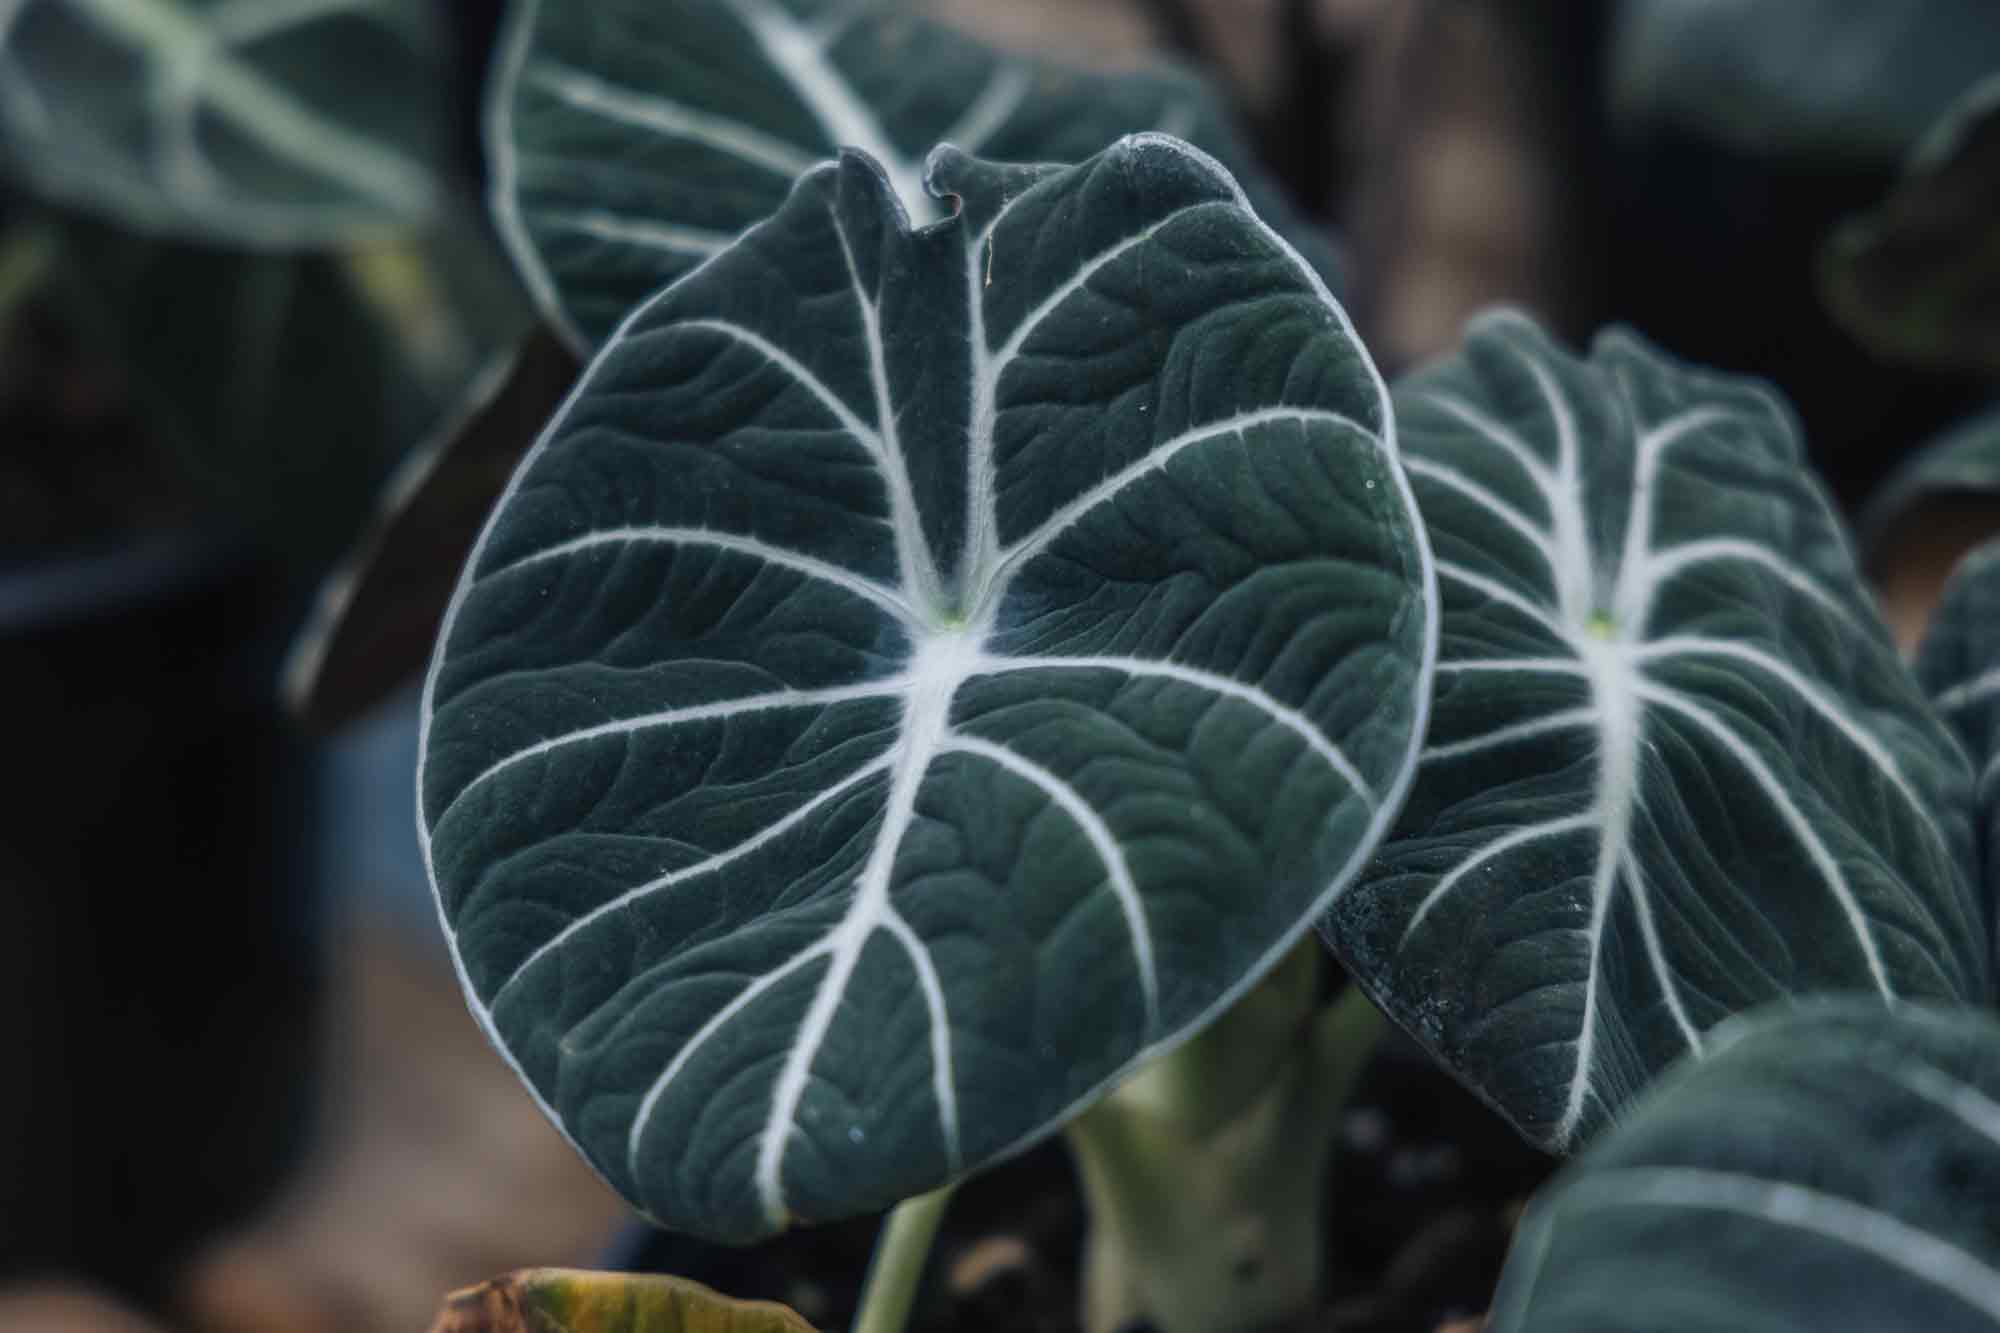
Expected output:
{"points": [[1620, 692], [797, 50], [1387, 802]]}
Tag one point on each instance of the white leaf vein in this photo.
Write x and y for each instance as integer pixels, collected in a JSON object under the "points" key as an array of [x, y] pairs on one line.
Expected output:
{"points": [[645, 234], [1102, 841], [1926, 1257], [707, 865], [717, 711], [650, 111], [824, 571], [1031, 545], [1291, 719], [1794, 819]]}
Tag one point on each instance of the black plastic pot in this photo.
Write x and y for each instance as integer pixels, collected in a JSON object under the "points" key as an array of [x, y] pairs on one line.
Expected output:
{"points": [[158, 971]]}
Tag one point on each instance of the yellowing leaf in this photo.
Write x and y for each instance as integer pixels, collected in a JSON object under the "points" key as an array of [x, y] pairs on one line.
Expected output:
{"points": [[570, 1300]]}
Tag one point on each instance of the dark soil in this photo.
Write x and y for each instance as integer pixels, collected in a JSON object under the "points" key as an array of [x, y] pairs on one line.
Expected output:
{"points": [[1421, 1201]]}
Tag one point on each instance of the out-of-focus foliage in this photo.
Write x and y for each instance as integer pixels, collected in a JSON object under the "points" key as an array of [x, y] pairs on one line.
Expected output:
{"points": [[1827, 1166], [1960, 668], [633, 139], [265, 123], [1836, 81], [257, 230], [1965, 460], [289, 384], [1918, 279], [378, 611]]}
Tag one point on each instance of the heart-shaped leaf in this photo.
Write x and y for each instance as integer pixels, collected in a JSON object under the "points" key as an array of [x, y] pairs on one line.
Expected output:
{"points": [[1960, 666], [1918, 279], [377, 614], [632, 139], [919, 675], [1674, 767], [1827, 81], [567, 1300], [1832, 1167], [247, 122]]}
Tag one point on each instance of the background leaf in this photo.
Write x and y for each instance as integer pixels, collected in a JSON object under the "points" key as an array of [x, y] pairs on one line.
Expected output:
{"points": [[266, 123], [377, 614], [1964, 461], [1960, 668], [1830, 1167], [1918, 279], [1830, 80], [1674, 768], [919, 676], [633, 139], [290, 384]]}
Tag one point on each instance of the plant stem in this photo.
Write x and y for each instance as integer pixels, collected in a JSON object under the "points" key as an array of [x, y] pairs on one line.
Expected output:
{"points": [[1205, 1173], [893, 1274]]}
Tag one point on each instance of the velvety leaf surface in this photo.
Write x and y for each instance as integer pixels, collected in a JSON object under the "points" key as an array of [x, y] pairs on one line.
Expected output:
{"points": [[1918, 279], [248, 122], [1828, 81], [565, 1300], [632, 139], [919, 675], [290, 384], [1675, 767], [1833, 1167], [1960, 668], [1964, 460]]}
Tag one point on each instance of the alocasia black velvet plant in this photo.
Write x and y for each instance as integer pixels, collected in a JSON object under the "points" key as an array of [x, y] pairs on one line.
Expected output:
{"points": [[920, 674], [981, 608], [966, 626]]}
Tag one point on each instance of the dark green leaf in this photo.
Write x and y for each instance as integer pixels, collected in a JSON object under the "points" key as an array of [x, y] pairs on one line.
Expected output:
{"points": [[377, 615], [920, 675], [1838, 82], [1833, 1167], [1675, 767], [290, 384], [1960, 667], [269, 123], [1963, 461], [1919, 278], [632, 139]]}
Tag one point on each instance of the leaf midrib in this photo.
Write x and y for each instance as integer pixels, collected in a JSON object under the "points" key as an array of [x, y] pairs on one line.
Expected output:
{"points": [[1621, 692]]}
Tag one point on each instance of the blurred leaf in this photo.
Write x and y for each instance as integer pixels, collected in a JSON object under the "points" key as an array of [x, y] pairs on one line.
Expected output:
{"points": [[378, 611], [267, 123], [1834, 81], [1829, 1167], [632, 139], [1964, 460], [1918, 279], [290, 384], [1960, 669], [567, 1300]]}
